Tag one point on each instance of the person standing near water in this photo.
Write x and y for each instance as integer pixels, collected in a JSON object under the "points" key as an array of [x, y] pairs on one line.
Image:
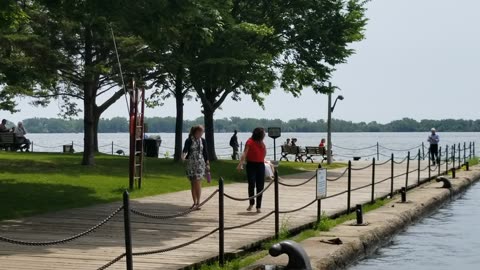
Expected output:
{"points": [[198, 165], [434, 139], [234, 144], [254, 155]]}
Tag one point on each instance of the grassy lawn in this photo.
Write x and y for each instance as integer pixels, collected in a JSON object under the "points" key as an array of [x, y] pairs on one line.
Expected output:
{"points": [[33, 183]]}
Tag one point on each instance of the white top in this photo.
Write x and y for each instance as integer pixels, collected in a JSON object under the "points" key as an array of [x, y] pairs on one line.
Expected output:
{"points": [[433, 139], [20, 131]]}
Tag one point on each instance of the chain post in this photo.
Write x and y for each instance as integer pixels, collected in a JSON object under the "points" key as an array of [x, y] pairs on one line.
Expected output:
{"points": [[446, 160], [429, 166], [464, 152], [378, 151], [373, 181], [419, 169], [459, 156], [453, 155], [277, 207], [128, 230], [319, 211], [221, 223], [408, 170], [423, 150], [439, 161], [112, 148], [349, 188], [392, 177]]}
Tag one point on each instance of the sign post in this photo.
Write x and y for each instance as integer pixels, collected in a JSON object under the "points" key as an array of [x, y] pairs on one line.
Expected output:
{"points": [[274, 133]]}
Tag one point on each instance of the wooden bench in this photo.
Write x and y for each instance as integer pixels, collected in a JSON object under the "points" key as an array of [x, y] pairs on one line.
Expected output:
{"points": [[312, 151], [291, 150], [8, 141]]}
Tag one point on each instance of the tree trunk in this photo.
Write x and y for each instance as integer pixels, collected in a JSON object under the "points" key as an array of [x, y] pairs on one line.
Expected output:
{"points": [[210, 133], [179, 128], [95, 127], [89, 130], [179, 96]]}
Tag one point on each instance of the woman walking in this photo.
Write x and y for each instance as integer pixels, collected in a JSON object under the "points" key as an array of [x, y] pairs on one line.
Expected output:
{"points": [[195, 153], [254, 154]]}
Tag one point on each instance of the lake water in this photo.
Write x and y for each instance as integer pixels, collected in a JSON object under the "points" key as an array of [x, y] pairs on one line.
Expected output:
{"points": [[401, 141], [449, 239]]}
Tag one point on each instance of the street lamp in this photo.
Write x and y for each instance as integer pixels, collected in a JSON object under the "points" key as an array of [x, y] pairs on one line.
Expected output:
{"points": [[329, 124]]}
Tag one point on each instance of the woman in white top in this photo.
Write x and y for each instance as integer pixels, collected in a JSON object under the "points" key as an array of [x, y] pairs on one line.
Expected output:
{"points": [[20, 133]]}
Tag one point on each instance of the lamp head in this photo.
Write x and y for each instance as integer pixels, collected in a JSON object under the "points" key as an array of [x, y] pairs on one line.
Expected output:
{"points": [[340, 97]]}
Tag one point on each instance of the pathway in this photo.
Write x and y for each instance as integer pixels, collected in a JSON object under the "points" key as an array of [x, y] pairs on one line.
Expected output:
{"points": [[96, 249]]}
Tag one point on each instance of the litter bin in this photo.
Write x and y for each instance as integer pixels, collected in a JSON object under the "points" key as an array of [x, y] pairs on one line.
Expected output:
{"points": [[68, 148], [151, 147]]}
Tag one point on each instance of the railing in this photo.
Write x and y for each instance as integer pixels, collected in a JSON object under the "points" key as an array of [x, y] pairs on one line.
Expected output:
{"points": [[451, 159]]}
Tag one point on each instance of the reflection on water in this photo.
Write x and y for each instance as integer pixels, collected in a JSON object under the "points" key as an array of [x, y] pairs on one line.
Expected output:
{"points": [[450, 239]]}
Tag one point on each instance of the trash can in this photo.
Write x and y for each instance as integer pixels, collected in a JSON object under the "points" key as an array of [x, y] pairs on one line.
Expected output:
{"points": [[68, 148], [151, 147]]}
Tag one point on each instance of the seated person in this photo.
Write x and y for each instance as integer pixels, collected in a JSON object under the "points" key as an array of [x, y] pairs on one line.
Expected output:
{"points": [[269, 170], [3, 126], [294, 142], [20, 133], [323, 147], [287, 143]]}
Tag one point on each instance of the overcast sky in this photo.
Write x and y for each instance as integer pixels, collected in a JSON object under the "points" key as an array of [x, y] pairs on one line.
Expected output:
{"points": [[420, 59]]}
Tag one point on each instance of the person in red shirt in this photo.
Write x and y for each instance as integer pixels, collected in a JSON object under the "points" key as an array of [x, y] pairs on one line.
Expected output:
{"points": [[254, 155], [322, 143]]}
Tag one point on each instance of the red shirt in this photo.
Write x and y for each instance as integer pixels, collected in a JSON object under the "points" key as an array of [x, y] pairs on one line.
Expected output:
{"points": [[256, 151]]}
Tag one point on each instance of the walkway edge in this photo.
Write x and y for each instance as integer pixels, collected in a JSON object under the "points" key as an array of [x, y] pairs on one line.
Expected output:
{"points": [[380, 234]]}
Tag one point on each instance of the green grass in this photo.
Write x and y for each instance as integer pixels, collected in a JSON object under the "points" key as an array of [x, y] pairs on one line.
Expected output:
{"points": [[33, 183], [325, 224]]}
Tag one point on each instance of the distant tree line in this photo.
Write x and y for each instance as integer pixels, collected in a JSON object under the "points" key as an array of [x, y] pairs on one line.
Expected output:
{"points": [[167, 125]]}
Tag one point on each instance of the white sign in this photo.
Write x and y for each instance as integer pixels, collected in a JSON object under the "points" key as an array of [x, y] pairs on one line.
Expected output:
{"points": [[321, 183]]}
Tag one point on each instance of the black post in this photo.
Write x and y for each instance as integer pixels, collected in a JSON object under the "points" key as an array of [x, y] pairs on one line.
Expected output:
{"points": [[378, 151], [373, 181], [439, 161], [277, 207], [474, 150], [221, 224], [112, 148], [403, 192], [128, 231], [459, 156], [446, 160], [423, 150], [429, 166], [469, 150], [464, 152], [392, 176], [241, 147], [453, 172], [275, 149], [349, 191], [453, 155], [419, 169], [359, 212], [408, 169], [467, 165], [319, 211]]}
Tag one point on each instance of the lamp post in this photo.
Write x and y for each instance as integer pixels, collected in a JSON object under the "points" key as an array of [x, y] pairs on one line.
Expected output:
{"points": [[329, 123]]}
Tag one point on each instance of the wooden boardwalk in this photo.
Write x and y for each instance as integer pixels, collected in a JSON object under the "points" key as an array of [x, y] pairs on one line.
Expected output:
{"points": [[96, 249]]}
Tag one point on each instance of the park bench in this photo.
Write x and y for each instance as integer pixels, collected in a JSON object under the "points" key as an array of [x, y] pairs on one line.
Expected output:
{"points": [[8, 141], [291, 150], [312, 151]]}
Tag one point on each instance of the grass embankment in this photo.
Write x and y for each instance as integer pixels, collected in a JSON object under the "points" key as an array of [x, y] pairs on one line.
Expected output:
{"points": [[33, 183], [325, 225]]}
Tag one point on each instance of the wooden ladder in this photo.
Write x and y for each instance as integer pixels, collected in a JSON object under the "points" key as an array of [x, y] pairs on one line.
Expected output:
{"points": [[137, 135]]}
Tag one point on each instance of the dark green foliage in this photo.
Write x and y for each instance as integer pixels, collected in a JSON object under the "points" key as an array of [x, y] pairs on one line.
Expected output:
{"points": [[167, 125]]}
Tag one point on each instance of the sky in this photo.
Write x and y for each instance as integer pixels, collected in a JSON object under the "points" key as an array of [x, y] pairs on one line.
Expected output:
{"points": [[420, 59]]}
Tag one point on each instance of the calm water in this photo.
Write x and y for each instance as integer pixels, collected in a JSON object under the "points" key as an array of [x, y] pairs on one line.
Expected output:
{"points": [[53, 142], [450, 239]]}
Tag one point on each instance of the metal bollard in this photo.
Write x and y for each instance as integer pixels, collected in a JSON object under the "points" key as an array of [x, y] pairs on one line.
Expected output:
{"points": [[446, 160], [372, 200], [419, 169], [221, 223], [349, 193], [439, 161], [277, 206], [319, 211], [467, 166], [408, 170], [359, 212], [403, 192], [453, 172], [392, 176], [128, 231]]}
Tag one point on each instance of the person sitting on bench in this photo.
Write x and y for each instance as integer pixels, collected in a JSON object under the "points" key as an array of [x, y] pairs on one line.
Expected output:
{"points": [[20, 133], [3, 126]]}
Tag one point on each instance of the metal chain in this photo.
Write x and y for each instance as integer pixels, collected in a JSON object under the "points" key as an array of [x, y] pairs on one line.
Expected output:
{"points": [[383, 163], [400, 162], [153, 216], [298, 209], [249, 223], [354, 149], [143, 253], [363, 168], [384, 180], [112, 262], [335, 195], [337, 178], [63, 241], [249, 198], [400, 150], [296, 185]]}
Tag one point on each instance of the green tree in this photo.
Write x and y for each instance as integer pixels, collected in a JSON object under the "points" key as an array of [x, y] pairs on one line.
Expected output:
{"points": [[77, 39]]}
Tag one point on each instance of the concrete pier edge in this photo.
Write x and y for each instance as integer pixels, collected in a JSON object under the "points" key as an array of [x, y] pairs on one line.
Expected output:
{"points": [[380, 235]]}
